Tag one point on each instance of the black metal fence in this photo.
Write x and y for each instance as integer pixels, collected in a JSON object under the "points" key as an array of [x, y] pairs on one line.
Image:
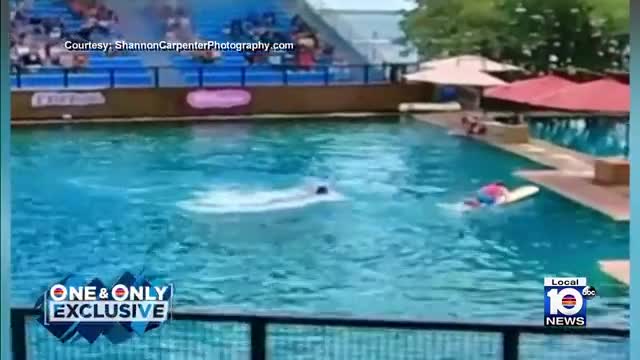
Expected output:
{"points": [[206, 335], [127, 76]]}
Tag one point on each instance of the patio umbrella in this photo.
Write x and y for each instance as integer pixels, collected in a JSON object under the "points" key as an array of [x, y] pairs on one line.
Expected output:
{"points": [[524, 91], [604, 95], [452, 76], [470, 62]]}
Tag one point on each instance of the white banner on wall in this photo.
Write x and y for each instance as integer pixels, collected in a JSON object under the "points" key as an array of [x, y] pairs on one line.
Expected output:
{"points": [[44, 99]]}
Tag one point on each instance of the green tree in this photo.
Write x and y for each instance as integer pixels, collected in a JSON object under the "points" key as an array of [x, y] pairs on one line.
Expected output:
{"points": [[538, 34]]}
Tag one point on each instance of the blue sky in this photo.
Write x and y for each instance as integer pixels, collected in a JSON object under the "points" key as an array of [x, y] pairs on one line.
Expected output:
{"points": [[365, 4]]}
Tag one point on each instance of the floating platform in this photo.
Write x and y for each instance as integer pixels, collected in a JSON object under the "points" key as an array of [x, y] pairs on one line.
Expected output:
{"points": [[572, 174], [617, 269]]}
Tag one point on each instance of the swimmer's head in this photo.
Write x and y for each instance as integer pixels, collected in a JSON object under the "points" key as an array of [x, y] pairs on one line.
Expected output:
{"points": [[322, 190]]}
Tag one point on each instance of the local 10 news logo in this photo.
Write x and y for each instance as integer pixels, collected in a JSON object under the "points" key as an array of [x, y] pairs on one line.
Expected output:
{"points": [[120, 303], [565, 301]]}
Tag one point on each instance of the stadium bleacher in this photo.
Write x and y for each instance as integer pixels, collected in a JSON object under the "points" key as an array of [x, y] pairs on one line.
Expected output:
{"points": [[101, 70], [209, 23]]}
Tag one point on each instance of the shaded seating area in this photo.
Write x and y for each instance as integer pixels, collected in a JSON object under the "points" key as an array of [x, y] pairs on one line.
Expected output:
{"points": [[93, 69]]}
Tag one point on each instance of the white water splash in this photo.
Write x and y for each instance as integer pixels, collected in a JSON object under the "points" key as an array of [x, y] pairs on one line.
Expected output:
{"points": [[455, 208], [235, 201]]}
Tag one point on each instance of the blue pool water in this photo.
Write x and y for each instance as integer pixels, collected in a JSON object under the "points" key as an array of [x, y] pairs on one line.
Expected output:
{"points": [[219, 211], [594, 136]]}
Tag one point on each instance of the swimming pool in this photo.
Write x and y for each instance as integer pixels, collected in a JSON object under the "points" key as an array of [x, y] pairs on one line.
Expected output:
{"points": [[594, 136], [202, 207]]}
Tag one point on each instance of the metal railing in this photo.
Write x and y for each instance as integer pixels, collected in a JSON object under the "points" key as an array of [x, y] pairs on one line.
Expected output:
{"points": [[294, 337], [212, 75]]}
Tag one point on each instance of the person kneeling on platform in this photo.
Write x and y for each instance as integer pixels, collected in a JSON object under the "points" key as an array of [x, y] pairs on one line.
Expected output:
{"points": [[472, 126]]}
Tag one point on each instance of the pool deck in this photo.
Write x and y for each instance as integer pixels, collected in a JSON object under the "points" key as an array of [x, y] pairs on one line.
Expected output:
{"points": [[570, 175], [617, 269]]}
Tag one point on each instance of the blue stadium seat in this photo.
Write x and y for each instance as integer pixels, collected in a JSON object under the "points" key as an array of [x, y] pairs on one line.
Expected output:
{"points": [[210, 23], [43, 80], [133, 80], [89, 80], [128, 68]]}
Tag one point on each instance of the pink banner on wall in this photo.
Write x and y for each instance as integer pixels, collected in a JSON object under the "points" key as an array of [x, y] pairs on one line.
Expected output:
{"points": [[218, 99]]}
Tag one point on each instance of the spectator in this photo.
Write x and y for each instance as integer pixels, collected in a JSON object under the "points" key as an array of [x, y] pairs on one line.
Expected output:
{"points": [[31, 61], [66, 60], [55, 52], [208, 56], [22, 50], [104, 21], [79, 61], [304, 57], [15, 60]]}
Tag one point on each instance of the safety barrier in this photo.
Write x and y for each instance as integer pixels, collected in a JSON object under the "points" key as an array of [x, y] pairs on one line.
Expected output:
{"points": [[208, 335]]}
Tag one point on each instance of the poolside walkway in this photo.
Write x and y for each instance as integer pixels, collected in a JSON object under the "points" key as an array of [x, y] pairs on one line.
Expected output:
{"points": [[571, 174], [617, 269]]}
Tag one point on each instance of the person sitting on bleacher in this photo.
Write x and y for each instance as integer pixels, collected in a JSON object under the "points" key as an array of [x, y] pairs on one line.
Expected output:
{"points": [[79, 61], [54, 53], [178, 18], [66, 60], [54, 28], [22, 49], [32, 61], [105, 20], [97, 15], [207, 56], [305, 58], [14, 58]]}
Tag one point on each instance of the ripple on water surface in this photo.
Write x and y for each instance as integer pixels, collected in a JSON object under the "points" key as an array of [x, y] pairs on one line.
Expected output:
{"points": [[223, 213]]}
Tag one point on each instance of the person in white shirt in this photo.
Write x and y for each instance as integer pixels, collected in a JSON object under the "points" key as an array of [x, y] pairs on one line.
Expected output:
{"points": [[56, 33], [55, 51]]}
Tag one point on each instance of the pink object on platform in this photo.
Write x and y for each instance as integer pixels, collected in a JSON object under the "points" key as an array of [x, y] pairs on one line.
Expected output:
{"points": [[225, 99]]}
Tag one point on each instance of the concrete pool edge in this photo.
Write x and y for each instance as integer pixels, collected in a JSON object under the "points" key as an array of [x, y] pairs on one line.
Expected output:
{"points": [[205, 118], [569, 174]]}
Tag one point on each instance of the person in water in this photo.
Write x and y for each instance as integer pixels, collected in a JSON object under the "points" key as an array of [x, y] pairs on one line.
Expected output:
{"points": [[492, 194], [322, 190]]}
